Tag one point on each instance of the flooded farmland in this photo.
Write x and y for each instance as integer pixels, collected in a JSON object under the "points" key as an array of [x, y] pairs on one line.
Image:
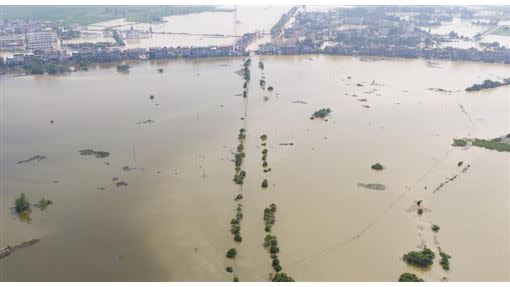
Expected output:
{"points": [[169, 221]]}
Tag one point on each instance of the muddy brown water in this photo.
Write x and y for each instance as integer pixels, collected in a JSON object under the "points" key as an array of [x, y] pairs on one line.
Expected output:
{"points": [[171, 222]]}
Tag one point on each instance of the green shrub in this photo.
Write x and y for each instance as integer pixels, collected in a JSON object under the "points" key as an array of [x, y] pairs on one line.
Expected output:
{"points": [[277, 268], [409, 277], [238, 237], [43, 203], [276, 261], [123, 68], [435, 228], [264, 183], [229, 269], [235, 228], [499, 146], [263, 137], [377, 166], [231, 253], [444, 262], [22, 203], [322, 113], [274, 249], [236, 279], [423, 258], [282, 277], [459, 142]]}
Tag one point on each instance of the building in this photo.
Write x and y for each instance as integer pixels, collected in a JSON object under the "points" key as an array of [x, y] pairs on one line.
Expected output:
{"points": [[12, 42], [41, 40]]}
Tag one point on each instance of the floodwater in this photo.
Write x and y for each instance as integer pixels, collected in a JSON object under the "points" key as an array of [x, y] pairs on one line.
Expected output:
{"points": [[171, 222], [219, 27]]}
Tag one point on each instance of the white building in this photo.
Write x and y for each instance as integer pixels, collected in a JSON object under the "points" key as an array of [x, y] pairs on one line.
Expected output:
{"points": [[41, 40]]}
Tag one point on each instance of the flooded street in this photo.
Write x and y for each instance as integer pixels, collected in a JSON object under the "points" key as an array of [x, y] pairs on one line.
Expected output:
{"points": [[171, 221]]}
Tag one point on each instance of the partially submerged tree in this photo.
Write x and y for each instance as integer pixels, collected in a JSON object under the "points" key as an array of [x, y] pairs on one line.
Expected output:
{"points": [[409, 277], [22, 203], [423, 258], [282, 277], [231, 253]]}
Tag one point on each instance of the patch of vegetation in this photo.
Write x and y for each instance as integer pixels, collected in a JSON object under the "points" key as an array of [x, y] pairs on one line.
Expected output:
{"points": [[123, 68], [265, 184], [270, 88], [239, 177], [459, 142], [409, 277], [238, 197], [423, 258], [493, 145], [373, 186], [322, 113], [269, 212], [43, 203], [231, 253], [488, 84], [435, 228], [445, 260], [38, 67], [282, 277], [261, 65], [21, 204], [263, 137], [377, 166], [229, 269]]}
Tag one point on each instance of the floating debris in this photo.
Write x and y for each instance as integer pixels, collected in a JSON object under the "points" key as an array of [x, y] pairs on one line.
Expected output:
{"points": [[97, 154], [451, 179], [440, 90], [32, 159], [127, 168], [117, 258], [149, 121], [373, 186], [4, 252], [121, 183]]}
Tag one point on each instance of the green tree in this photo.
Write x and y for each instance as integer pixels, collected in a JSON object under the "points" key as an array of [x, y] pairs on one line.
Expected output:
{"points": [[282, 277], [22, 203], [409, 277], [423, 258], [231, 253]]}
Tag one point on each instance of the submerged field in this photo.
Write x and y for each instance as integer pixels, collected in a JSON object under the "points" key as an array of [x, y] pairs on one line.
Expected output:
{"points": [[171, 221]]}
